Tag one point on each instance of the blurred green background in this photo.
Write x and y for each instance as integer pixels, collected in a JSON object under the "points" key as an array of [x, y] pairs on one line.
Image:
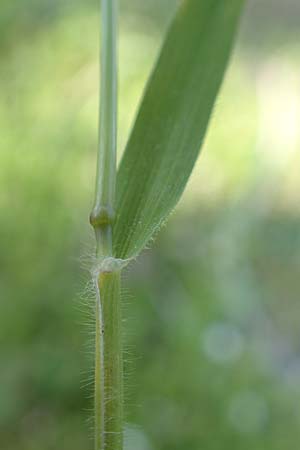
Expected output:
{"points": [[212, 311]]}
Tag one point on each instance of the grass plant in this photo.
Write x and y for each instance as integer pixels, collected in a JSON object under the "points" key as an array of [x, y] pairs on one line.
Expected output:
{"points": [[133, 202]]}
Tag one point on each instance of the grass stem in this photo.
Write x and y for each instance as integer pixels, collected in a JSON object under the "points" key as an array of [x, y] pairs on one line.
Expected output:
{"points": [[108, 364], [102, 215], [108, 389]]}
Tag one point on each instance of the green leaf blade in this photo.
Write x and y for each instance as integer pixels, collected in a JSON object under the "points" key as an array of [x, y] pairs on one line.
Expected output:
{"points": [[172, 120]]}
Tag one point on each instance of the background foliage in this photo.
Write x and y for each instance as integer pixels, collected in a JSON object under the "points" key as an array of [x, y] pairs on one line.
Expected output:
{"points": [[212, 312]]}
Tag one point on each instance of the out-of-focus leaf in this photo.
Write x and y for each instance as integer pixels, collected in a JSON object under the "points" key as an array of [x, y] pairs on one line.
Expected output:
{"points": [[172, 120]]}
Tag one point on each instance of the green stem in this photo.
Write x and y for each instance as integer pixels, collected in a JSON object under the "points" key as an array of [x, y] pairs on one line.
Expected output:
{"points": [[108, 402], [99, 384], [108, 364], [102, 215]]}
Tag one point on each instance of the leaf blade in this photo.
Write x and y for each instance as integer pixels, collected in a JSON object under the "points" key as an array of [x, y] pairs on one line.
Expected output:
{"points": [[172, 120]]}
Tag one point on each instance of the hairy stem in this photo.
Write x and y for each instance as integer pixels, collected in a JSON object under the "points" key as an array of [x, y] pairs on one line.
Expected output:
{"points": [[99, 387], [108, 402], [108, 364]]}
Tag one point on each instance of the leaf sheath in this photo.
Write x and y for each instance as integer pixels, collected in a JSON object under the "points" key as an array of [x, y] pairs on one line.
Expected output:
{"points": [[108, 364]]}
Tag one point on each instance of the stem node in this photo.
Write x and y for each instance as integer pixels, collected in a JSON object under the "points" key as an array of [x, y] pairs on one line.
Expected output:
{"points": [[102, 216]]}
